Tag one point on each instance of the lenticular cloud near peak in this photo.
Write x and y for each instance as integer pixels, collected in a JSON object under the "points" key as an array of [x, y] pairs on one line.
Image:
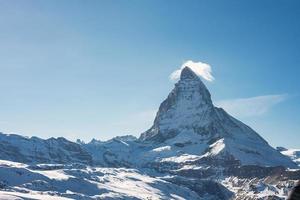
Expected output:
{"points": [[201, 69]]}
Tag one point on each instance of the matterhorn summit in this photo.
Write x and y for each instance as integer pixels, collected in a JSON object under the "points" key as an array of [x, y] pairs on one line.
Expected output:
{"points": [[188, 106]]}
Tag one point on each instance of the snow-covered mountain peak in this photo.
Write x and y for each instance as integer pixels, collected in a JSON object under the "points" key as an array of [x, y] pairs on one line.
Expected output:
{"points": [[189, 105], [188, 120]]}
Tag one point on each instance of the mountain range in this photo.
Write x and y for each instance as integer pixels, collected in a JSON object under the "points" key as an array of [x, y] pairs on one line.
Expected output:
{"points": [[193, 150]]}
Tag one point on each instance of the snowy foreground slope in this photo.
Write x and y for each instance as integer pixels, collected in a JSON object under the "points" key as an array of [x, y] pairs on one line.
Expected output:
{"points": [[82, 182], [194, 150], [77, 181]]}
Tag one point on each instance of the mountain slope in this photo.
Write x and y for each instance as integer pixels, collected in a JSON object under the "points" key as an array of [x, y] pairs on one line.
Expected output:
{"points": [[84, 182], [35, 150]]}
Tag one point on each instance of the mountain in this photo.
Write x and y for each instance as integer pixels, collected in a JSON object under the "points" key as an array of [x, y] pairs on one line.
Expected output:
{"points": [[188, 119], [193, 150]]}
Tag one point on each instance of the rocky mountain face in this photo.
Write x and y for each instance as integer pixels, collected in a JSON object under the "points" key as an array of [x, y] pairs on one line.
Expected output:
{"points": [[194, 150], [188, 106]]}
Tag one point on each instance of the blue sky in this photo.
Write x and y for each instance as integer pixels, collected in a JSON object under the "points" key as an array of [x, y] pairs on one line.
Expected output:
{"points": [[97, 69]]}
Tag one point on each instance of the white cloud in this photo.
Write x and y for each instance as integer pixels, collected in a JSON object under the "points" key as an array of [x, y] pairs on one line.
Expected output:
{"points": [[253, 106], [201, 69]]}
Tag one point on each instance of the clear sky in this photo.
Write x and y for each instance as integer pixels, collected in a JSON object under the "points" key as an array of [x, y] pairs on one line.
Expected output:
{"points": [[98, 69]]}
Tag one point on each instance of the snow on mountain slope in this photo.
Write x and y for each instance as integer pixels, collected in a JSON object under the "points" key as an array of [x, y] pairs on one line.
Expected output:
{"points": [[258, 188], [294, 154], [83, 182], [116, 152], [189, 120], [36, 150]]}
